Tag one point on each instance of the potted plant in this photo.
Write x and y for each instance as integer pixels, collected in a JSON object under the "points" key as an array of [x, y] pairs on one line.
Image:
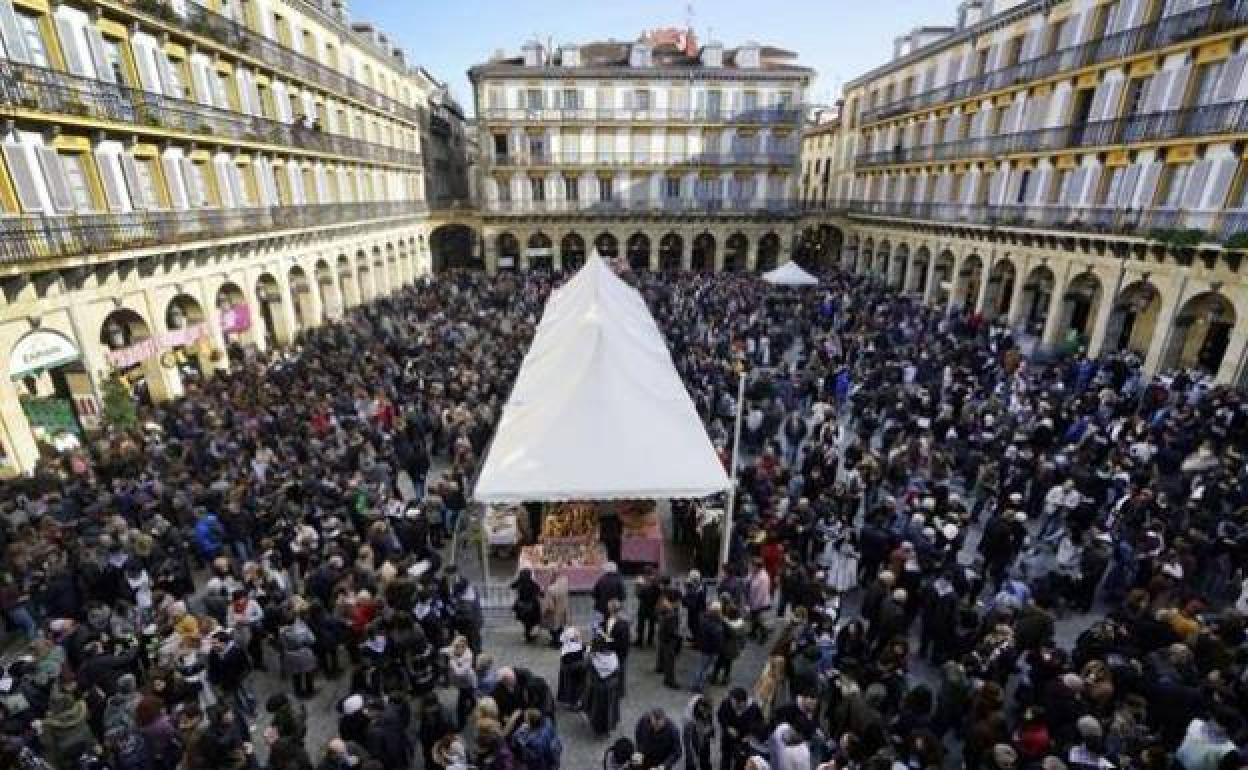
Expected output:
{"points": [[117, 407]]}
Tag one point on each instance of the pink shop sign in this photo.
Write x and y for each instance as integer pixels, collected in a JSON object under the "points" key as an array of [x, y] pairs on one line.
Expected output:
{"points": [[145, 349], [236, 318]]}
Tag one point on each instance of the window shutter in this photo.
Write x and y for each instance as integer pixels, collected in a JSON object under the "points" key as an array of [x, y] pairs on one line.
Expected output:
{"points": [[1098, 103], [1129, 14], [1058, 108], [54, 175], [130, 172], [1113, 95], [11, 33], [1066, 38], [169, 84], [221, 169], [173, 179], [203, 89], [1158, 85], [1223, 173], [1194, 192], [1040, 185], [237, 185], [195, 192], [113, 188], [69, 47], [1126, 189], [23, 177], [1232, 75], [1147, 190], [95, 43], [1178, 88]]}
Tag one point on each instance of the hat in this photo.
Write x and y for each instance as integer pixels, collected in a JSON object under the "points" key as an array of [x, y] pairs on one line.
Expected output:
{"points": [[1020, 517], [352, 704], [1004, 755], [949, 531], [1088, 727], [1016, 497]]}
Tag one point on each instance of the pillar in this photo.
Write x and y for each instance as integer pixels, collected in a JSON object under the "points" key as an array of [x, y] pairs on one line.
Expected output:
{"points": [[1232, 366], [1164, 329], [163, 382], [1015, 313], [981, 301], [282, 312], [15, 435], [1105, 313], [929, 290], [1056, 317]]}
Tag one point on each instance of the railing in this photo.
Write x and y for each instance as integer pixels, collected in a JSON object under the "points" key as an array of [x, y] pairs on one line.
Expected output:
{"points": [[200, 21], [1208, 20], [31, 236], [645, 205], [50, 91], [1115, 220], [646, 159], [766, 116], [1205, 120]]}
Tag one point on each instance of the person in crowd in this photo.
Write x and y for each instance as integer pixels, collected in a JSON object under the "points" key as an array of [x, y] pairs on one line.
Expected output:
{"points": [[602, 695], [528, 605], [698, 733], [658, 740]]}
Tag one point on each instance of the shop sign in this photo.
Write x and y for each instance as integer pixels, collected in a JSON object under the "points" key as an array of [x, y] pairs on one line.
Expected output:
{"points": [[39, 351], [141, 351], [236, 318], [506, 261], [539, 252]]}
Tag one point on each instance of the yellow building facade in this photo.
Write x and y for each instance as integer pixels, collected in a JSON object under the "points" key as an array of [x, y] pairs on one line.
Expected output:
{"points": [[180, 180]]}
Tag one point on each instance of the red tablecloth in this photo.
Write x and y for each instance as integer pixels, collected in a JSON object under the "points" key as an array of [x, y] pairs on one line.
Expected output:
{"points": [[580, 577], [646, 548]]}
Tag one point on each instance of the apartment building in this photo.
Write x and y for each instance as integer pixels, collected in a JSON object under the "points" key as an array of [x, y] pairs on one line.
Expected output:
{"points": [[1071, 167], [180, 181], [662, 151]]}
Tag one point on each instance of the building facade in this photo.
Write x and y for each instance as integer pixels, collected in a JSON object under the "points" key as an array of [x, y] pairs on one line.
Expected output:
{"points": [[1074, 168], [180, 181], [661, 151]]}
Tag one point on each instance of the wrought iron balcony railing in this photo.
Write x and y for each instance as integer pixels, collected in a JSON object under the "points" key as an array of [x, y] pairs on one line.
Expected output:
{"points": [[645, 205], [198, 20], [36, 236], [1204, 120], [58, 93], [647, 159], [762, 116], [1159, 33]]}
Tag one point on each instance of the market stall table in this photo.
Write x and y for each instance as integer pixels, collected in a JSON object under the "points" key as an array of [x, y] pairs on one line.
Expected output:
{"points": [[582, 564]]}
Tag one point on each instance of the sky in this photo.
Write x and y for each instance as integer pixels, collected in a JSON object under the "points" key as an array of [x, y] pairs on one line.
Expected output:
{"points": [[840, 39]]}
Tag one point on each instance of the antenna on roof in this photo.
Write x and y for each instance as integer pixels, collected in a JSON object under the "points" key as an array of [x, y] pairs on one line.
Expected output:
{"points": [[689, 14]]}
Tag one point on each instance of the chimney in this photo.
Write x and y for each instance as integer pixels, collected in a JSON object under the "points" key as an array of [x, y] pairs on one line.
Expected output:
{"points": [[970, 13]]}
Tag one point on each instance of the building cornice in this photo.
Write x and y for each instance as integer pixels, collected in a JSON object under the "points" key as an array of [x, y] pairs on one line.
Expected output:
{"points": [[490, 71]]}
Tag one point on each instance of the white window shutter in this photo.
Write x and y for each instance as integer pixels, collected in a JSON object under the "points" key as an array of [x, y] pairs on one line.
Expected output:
{"points": [[1130, 13], [1058, 107], [203, 89], [1040, 186], [1178, 88], [95, 43], [1158, 86], [1194, 192], [170, 85], [1147, 190], [177, 186], [1220, 179], [1070, 30], [1037, 112], [221, 169], [1126, 190], [69, 47], [1232, 75], [1098, 103], [195, 192], [1113, 95], [11, 33], [130, 172], [23, 176], [149, 73], [114, 190], [54, 175], [237, 185]]}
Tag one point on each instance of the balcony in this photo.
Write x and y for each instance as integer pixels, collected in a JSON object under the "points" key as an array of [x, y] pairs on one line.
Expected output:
{"points": [[1201, 22], [34, 236], [654, 159], [58, 93], [198, 20], [1199, 121], [768, 116], [712, 206], [1102, 220]]}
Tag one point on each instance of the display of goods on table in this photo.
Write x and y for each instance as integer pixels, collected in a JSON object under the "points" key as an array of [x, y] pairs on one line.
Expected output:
{"points": [[570, 522], [638, 518], [581, 563], [502, 526]]}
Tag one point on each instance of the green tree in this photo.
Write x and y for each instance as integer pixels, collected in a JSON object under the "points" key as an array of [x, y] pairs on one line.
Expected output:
{"points": [[119, 411]]}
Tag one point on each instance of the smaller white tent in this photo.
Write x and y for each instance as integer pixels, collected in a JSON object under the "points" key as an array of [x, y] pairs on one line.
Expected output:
{"points": [[790, 274]]}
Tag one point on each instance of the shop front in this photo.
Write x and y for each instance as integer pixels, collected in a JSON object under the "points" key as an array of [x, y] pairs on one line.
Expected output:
{"points": [[53, 389]]}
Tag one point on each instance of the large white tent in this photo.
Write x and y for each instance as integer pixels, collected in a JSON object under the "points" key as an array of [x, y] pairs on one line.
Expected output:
{"points": [[598, 411], [790, 274]]}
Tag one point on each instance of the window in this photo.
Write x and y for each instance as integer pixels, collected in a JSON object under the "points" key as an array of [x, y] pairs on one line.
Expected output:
{"points": [[1207, 78], [494, 98], [604, 188], [113, 60], [1024, 183], [500, 145], [1136, 90], [1175, 180], [533, 98], [35, 48], [537, 147], [571, 99], [146, 172], [571, 188], [504, 191], [641, 98], [537, 188], [749, 101], [714, 101], [76, 178], [671, 187], [784, 100]]}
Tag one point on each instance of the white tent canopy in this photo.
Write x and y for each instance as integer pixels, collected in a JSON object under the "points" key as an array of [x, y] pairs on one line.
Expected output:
{"points": [[598, 411], [790, 274]]}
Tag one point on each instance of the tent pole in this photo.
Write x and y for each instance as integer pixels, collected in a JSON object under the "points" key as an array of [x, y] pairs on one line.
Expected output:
{"points": [[726, 538]]}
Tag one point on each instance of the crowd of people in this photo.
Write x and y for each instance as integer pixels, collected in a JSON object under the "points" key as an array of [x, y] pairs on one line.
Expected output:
{"points": [[942, 553]]}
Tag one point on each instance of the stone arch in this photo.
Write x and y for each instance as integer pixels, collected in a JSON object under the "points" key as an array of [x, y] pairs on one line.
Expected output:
{"points": [[638, 250], [607, 245], [1037, 296], [883, 260], [702, 256], [508, 247], [1133, 322], [768, 252], [327, 290], [453, 247], [303, 307], [539, 251], [572, 251], [182, 311], [968, 282], [942, 279], [736, 252], [1080, 304], [671, 252], [1002, 280], [901, 267], [348, 281], [1201, 333], [364, 277], [275, 323], [918, 269]]}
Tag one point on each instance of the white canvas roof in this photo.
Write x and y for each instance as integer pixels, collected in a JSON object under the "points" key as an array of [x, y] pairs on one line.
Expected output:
{"points": [[790, 274], [598, 411]]}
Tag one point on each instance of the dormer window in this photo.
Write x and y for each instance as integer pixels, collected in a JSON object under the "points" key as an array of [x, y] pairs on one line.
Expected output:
{"points": [[748, 56], [639, 55]]}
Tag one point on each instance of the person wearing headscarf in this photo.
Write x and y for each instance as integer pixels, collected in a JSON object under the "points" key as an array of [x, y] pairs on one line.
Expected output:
{"points": [[572, 671], [602, 695]]}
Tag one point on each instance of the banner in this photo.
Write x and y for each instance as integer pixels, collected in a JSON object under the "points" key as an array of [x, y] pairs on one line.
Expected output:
{"points": [[236, 318], [145, 349]]}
